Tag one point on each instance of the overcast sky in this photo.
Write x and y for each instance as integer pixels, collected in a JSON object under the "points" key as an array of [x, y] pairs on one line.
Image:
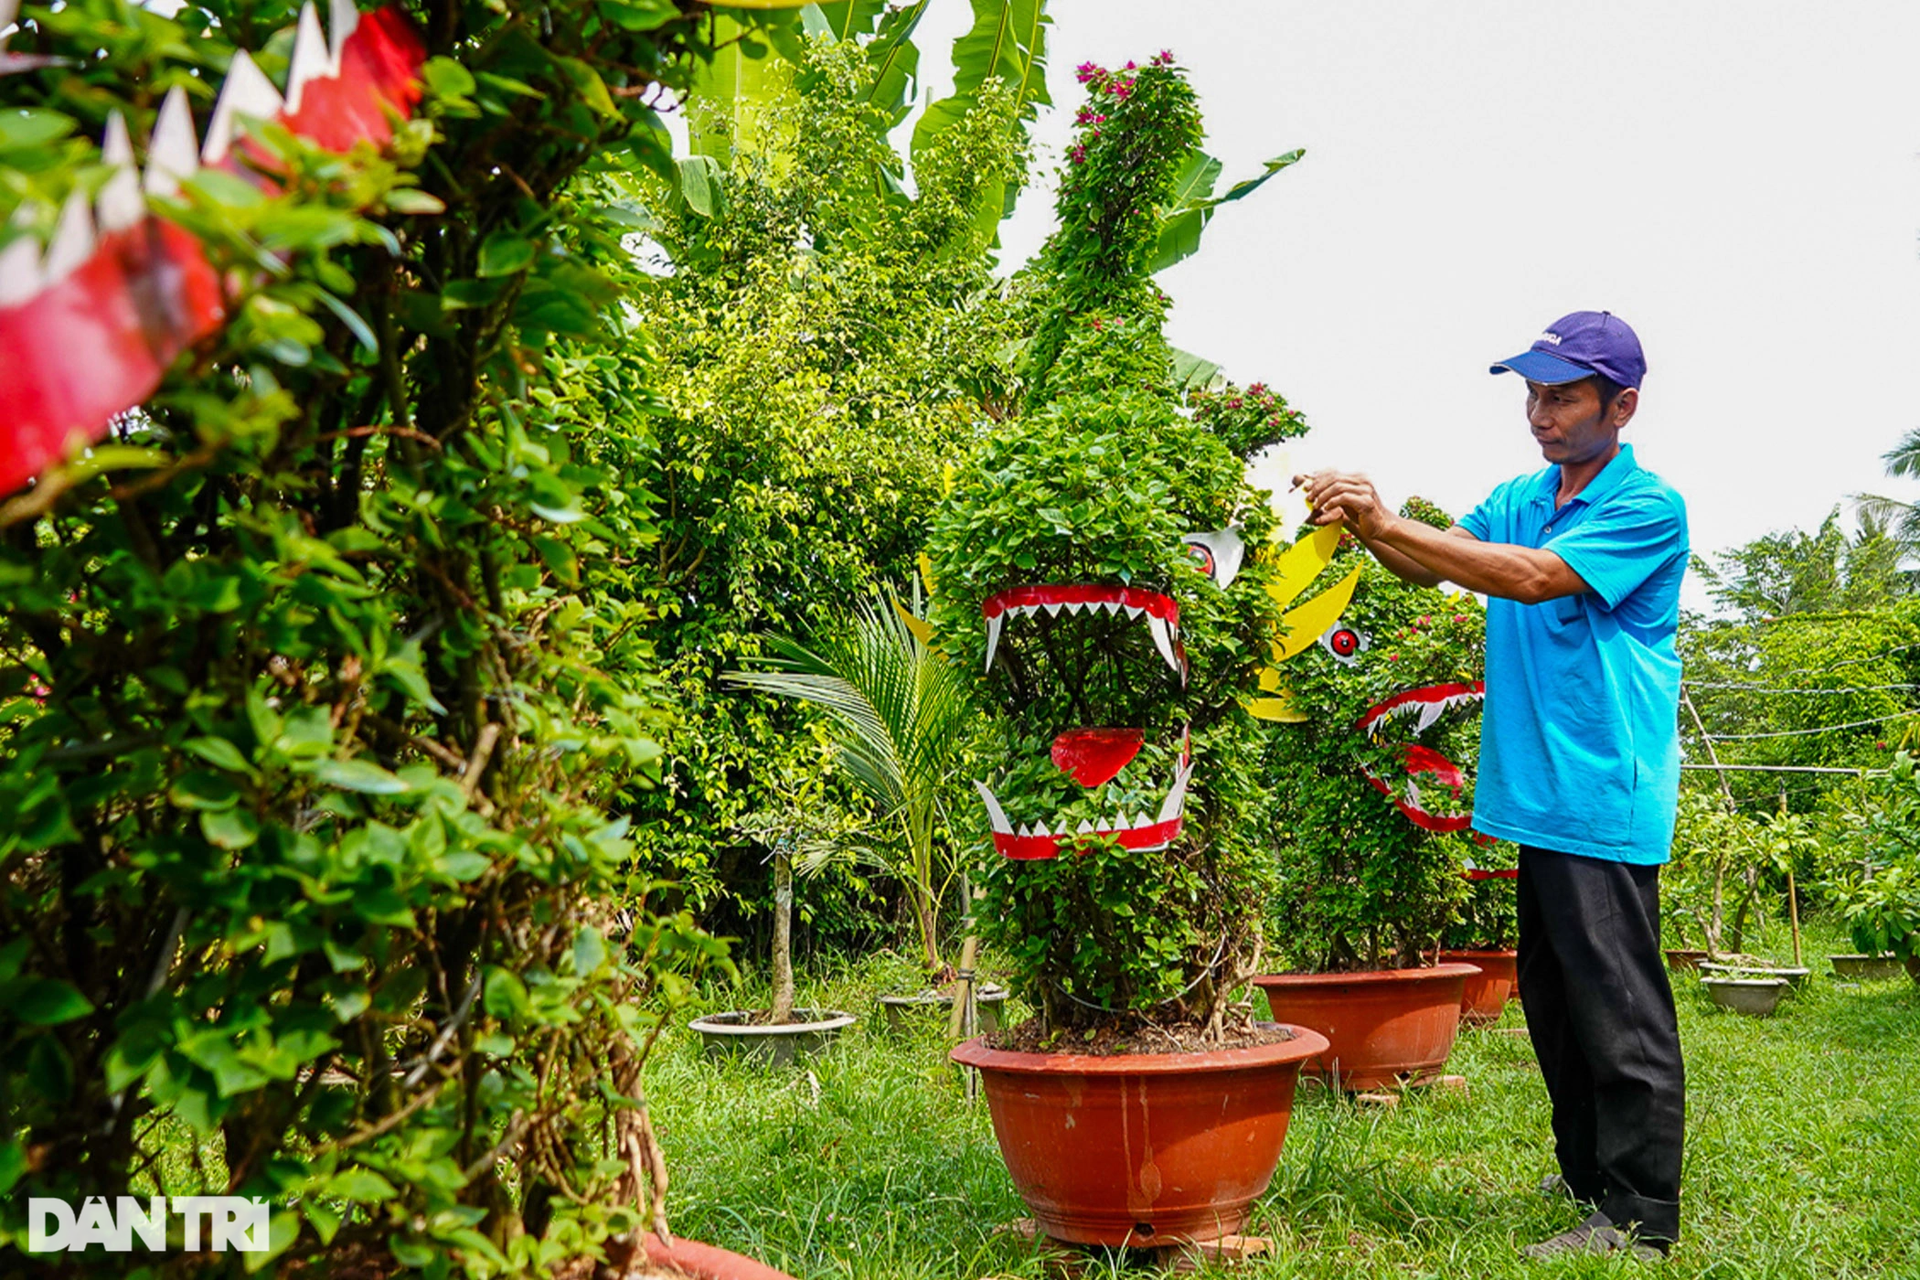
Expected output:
{"points": [[1739, 181]]}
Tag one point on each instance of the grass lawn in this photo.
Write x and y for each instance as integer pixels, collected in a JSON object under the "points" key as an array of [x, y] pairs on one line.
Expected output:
{"points": [[1803, 1154]]}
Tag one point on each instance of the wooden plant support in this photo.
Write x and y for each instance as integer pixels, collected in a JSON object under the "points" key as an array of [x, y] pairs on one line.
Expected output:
{"points": [[1072, 1260]]}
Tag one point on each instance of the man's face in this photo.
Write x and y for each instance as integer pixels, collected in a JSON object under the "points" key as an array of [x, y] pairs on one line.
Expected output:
{"points": [[1569, 423]]}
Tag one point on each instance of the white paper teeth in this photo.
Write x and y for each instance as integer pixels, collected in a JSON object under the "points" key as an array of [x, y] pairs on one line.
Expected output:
{"points": [[1134, 610], [120, 205], [311, 59], [73, 239], [173, 153], [20, 275], [247, 92], [995, 814], [993, 637], [1176, 801], [1162, 632], [1428, 714], [344, 18], [1413, 795]]}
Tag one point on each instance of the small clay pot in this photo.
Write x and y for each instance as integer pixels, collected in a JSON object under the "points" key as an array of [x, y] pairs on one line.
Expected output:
{"points": [[902, 1011], [779, 1044], [1865, 968], [1755, 997]]}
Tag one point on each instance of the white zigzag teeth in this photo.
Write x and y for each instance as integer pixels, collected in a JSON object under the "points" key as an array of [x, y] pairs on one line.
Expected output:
{"points": [[173, 153], [1176, 801], [995, 813], [311, 59], [993, 637], [1428, 715], [247, 92], [345, 19], [20, 275], [73, 239], [120, 205], [1162, 633]]}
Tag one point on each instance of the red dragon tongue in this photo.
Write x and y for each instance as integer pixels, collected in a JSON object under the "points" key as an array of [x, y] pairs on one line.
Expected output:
{"points": [[1093, 756]]}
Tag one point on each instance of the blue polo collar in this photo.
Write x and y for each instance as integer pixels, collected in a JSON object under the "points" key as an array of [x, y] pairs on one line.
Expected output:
{"points": [[1610, 478]]}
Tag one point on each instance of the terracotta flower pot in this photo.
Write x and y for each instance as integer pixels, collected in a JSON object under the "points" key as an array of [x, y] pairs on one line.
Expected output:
{"points": [[1141, 1149], [705, 1262], [1486, 994], [1384, 1027]]}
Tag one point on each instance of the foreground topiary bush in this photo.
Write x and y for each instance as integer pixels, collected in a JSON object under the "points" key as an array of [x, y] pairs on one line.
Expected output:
{"points": [[312, 689]]}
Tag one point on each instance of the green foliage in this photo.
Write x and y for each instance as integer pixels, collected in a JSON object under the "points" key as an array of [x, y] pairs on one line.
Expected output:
{"points": [[1363, 886], [310, 739], [1808, 688], [1096, 485], [898, 713], [822, 350], [1880, 899]]}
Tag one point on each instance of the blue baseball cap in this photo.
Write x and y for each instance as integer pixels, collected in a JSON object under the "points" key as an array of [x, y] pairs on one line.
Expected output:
{"points": [[1578, 346]]}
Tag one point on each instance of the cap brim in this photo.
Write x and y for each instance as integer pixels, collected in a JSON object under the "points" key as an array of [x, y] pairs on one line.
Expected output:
{"points": [[1538, 366]]}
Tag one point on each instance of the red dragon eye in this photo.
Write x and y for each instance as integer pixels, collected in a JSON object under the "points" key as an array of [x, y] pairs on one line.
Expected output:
{"points": [[1344, 643], [1202, 556]]}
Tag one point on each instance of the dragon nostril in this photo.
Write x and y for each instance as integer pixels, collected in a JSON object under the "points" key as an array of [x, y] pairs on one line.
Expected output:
{"points": [[1093, 756]]}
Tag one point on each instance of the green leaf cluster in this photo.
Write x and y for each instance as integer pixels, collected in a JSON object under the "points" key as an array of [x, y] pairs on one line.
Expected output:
{"points": [[321, 684]]}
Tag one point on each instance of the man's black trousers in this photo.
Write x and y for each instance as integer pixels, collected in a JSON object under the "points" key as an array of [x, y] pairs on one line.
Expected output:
{"points": [[1600, 1013]]}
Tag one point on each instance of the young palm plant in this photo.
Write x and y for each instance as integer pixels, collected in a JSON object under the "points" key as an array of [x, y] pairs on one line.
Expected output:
{"points": [[898, 711]]}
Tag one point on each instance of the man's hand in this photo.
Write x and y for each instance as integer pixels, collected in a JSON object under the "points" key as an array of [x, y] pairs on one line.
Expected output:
{"points": [[1345, 497]]}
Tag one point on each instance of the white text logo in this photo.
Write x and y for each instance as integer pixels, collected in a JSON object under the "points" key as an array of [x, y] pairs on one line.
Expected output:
{"points": [[1550, 336], [228, 1222]]}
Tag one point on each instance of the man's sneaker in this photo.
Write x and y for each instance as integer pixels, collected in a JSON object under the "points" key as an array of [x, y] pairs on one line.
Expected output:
{"points": [[1596, 1235]]}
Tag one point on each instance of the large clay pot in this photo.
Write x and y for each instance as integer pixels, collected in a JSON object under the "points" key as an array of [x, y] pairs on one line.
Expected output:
{"points": [[705, 1262], [1141, 1149], [1384, 1027], [1486, 993]]}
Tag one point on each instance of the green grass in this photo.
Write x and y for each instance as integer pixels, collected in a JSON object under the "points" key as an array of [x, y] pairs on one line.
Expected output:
{"points": [[1803, 1154]]}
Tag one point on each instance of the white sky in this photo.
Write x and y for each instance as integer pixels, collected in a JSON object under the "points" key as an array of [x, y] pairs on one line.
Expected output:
{"points": [[1739, 181]]}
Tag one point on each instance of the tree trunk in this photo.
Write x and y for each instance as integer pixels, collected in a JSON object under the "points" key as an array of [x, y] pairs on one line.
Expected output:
{"points": [[782, 936]]}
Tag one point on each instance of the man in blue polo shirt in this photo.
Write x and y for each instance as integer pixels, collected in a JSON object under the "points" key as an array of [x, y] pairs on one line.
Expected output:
{"points": [[1579, 757]]}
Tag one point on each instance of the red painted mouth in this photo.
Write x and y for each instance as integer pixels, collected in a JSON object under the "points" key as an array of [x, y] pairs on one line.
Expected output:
{"points": [[1162, 613], [1429, 704], [1139, 832]]}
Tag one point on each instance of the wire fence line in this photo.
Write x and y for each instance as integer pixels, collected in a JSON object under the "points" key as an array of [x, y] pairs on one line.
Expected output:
{"points": [[1800, 733], [1757, 688]]}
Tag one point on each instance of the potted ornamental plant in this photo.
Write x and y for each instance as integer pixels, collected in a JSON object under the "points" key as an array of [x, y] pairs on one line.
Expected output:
{"points": [[1880, 901], [1372, 799], [1101, 571], [1485, 932], [802, 827]]}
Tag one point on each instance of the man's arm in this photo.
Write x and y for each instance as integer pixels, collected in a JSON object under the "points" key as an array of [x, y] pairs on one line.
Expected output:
{"points": [[1422, 554]]}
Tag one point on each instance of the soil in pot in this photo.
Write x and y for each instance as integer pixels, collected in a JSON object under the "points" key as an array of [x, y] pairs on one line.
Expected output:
{"points": [[739, 1034], [1486, 994], [1864, 968], [1142, 1149], [903, 1012], [1683, 960], [1384, 1027], [1756, 997]]}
